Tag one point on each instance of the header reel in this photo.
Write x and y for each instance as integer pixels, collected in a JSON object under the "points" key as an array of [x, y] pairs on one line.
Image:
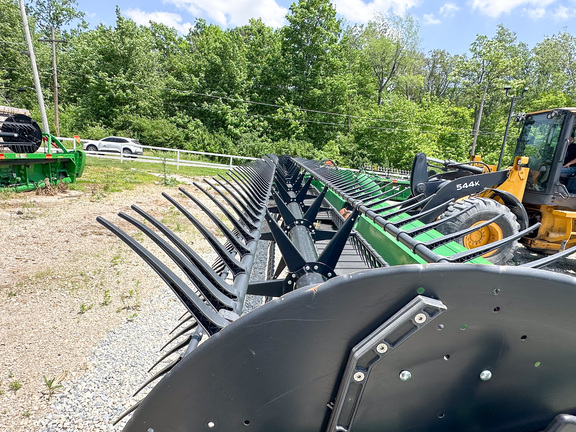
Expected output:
{"points": [[349, 340]]}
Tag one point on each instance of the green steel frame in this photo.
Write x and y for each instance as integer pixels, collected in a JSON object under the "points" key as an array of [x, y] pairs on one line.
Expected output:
{"points": [[28, 171]]}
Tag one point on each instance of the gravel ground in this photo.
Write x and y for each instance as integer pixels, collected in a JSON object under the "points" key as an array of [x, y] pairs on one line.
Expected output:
{"points": [[68, 285], [119, 365], [81, 308]]}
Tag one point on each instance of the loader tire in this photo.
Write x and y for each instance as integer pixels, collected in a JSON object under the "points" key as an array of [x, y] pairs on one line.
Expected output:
{"points": [[480, 210]]}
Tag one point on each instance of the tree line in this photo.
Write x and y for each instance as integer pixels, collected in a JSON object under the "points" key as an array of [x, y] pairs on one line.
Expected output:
{"points": [[315, 88]]}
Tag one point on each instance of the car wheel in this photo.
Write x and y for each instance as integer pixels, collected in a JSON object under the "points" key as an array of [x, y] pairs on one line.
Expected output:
{"points": [[91, 148], [127, 152]]}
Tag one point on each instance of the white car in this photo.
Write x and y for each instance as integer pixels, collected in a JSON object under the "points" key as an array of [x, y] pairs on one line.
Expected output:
{"points": [[115, 144]]}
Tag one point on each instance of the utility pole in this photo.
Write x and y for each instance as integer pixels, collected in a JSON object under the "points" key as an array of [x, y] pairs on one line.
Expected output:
{"points": [[54, 41], [45, 127]]}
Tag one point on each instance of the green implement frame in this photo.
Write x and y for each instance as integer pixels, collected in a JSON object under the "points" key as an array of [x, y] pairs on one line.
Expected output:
{"points": [[385, 244], [27, 171]]}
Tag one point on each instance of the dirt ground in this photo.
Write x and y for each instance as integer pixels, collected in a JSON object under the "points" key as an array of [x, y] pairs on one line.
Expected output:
{"points": [[65, 282]]}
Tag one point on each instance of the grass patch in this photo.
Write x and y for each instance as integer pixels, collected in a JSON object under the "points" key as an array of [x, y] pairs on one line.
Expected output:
{"points": [[113, 176], [99, 170], [15, 386], [103, 176]]}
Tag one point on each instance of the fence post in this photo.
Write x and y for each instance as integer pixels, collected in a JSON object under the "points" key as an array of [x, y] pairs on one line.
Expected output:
{"points": [[231, 162], [121, 156], [177, 159]]}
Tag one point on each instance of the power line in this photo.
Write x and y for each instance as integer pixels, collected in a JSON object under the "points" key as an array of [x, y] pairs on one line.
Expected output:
{"points": [[342, 125], [349, 116]]}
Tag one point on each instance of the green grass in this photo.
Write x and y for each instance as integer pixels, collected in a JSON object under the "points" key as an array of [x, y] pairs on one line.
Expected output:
{"points": [[148, 167], [110, 175], [104, 176], [15, 386]]}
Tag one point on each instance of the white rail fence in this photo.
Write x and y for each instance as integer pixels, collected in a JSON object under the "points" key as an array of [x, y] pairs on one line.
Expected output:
{"points": [[178, 158], [172, 156]]}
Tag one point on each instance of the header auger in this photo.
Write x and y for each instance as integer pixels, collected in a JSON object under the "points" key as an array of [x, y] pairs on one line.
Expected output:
{"points": [[373, 319]]}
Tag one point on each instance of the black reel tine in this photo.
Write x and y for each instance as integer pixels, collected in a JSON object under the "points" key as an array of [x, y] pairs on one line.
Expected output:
{"points": [[180, 345], [202, 265], [237, 225], [434, 243], [209, 291], [204, 315], [180, 333], [243, 206], [158, 374], [232, 263], [231, 237], [481, 250], [125, 413], [412, 218], [550, 259], [427, 227], [182, 321]]}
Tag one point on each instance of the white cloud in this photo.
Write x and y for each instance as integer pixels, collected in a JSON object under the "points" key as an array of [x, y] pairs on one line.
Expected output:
{"points": [[359, 11], [448, 10], [562, 13], [495, 8], [535, 13], [170, 19], [430, 20], [234, 13]]}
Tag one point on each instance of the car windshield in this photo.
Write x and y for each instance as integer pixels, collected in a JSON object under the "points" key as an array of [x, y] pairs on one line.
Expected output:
{"points": [[538, 141]]}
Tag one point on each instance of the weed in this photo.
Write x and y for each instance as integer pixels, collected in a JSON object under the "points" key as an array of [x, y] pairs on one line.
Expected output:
{"points": [[51, 385], [132, 317], [116, 259], [107, 298], [1, 392], [42, 274], [166, 179], [10, 375], [28, 204], [15, 385], [131, 300], [85, 308], [11, 294], [76, 187], [26, 414]]}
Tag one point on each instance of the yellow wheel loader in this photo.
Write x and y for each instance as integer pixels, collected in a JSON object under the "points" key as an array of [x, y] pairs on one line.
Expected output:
{"points": [[534, 189]]}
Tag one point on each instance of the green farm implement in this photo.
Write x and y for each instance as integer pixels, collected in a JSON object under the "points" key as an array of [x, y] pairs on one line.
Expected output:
{"points": [[23, 168], [371, 320]]}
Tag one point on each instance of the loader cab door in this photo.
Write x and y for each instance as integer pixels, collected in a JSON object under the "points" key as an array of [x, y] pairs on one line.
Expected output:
{"points": [[544, 139]]}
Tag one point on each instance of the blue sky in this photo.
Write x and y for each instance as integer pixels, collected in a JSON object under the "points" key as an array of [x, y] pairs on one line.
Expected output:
{"points": [[444, 24]]}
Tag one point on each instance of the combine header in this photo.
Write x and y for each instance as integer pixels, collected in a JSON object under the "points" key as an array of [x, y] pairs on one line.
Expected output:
{"points": [[22, 169], [348, 339]]}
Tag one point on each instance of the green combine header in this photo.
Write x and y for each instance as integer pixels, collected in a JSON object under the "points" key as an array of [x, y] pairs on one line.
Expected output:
{"points": [[23, 168]]}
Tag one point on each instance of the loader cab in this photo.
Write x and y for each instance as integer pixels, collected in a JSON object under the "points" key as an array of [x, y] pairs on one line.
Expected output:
{"points": [[544, 138]]}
